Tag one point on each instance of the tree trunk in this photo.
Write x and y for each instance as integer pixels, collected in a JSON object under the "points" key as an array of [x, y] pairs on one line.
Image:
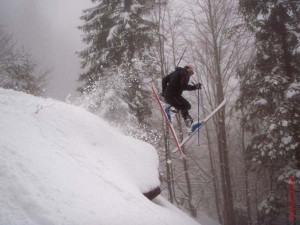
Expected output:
{"points": [[223, 154], [169, 167], [214, 175], [212, 167], [229, 217], [247, 192], [192, 209]]}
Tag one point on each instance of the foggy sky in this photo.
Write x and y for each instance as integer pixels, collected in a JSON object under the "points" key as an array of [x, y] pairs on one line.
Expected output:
{"points": [[48, 31]]}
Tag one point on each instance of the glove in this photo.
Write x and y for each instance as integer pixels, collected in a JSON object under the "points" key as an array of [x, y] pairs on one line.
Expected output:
{"points": [[197, 86]]}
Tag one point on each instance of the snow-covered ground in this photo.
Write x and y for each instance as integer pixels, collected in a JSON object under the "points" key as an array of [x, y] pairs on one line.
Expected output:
{"points": [[61, 165]]}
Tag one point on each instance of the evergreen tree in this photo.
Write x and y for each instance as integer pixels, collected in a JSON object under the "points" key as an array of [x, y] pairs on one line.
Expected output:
{"points": [[118, 60], [270, 90]]}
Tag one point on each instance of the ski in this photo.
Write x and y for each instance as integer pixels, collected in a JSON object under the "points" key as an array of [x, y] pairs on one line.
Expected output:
{"points": [[197, 126], [178, 147]]}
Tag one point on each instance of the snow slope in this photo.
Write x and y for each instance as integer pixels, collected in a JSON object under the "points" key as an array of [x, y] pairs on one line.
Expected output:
{"points": [[61, 165]]}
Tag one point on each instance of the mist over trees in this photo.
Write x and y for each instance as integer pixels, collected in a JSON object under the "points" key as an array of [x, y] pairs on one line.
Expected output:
{"points": [[247, 52]]}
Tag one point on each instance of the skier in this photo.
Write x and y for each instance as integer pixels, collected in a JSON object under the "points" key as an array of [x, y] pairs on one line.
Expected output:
{"points": [[172, 87]]}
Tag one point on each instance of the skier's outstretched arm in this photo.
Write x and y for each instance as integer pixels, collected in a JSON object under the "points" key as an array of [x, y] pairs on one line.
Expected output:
{"points": [[187, 87]]}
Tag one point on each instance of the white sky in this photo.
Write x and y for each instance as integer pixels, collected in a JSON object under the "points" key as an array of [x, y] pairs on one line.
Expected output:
{"points": [[48, 31]]}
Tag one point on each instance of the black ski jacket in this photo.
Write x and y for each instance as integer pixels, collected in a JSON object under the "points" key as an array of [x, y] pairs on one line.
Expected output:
{"points": [[176, 82]]}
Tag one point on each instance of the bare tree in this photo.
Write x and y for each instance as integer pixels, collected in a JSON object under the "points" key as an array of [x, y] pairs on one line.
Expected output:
{"points": [[6, 49], [169, 51], [17, 69], [219, 48], [159, 17]]}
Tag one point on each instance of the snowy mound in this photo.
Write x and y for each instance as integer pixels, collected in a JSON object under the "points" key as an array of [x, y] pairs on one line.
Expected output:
{"points": [[60, 164]]}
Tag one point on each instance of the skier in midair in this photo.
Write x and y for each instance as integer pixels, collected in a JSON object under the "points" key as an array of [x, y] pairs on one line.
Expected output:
{"points": [[172, 87]]}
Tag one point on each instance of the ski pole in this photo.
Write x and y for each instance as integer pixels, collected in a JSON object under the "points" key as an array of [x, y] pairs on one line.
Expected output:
{"points": [[198, 115], [198, 109], [198, 100], [181, 57]]}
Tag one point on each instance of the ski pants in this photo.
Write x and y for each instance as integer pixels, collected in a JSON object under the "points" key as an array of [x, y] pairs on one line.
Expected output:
{"points": [[181, 104]]}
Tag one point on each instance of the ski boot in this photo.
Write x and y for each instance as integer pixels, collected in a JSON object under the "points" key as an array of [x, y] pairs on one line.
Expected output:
{"points": [[192, 127], [188, 122], [168, 113], [195, 127], [170, 109]]}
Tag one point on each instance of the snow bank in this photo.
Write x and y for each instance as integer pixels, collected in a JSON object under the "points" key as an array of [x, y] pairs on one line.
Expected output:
{"points": [[60, 164]]}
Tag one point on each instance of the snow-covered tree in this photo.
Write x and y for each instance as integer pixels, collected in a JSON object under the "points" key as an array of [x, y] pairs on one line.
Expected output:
{"points": [[118, 60], [270, 90], [17, 69]]}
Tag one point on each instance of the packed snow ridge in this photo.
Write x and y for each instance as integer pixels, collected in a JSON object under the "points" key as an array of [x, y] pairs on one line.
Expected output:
{"points": [[60, 164]]}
